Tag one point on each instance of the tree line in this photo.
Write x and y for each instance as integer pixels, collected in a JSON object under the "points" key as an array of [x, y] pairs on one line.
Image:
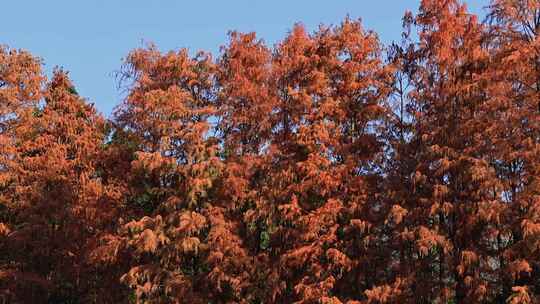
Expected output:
{"points": [[328, 168]]}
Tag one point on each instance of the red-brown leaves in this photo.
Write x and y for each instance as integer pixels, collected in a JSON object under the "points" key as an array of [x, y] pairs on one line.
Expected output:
{"points": [[55, 199], [246, 98], [284, 174], [520, 294]]}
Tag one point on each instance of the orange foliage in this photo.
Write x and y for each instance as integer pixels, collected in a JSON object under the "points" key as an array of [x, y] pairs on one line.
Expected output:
{"points": [[325, 169]]}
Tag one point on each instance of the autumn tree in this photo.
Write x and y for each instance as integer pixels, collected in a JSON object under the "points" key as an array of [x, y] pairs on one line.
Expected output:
{"points": [[21, 81], [321, 94], [451, 200], [182, 245], [52, 192], [514, 89]]}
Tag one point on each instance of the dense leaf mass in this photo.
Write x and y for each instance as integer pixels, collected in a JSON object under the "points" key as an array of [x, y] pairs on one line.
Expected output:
{"points": [[326, 169]]}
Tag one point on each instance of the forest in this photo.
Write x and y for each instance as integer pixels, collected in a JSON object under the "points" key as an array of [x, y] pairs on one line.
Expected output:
{"points": [[327, 168]]}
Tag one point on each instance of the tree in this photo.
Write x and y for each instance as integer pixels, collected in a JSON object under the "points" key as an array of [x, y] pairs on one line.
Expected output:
{"points": [[514, 87], [451, 199], [182, 246], [55, 200]]}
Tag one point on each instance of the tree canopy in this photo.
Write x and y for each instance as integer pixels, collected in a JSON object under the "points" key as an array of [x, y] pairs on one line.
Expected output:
{"points": [[329, 168]]}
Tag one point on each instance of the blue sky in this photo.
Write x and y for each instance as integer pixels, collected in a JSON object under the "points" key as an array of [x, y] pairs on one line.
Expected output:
{"points": [[90, 38]]}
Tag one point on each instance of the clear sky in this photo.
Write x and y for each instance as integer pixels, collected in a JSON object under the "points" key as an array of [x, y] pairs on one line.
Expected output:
{"points": [[89, 38]]}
